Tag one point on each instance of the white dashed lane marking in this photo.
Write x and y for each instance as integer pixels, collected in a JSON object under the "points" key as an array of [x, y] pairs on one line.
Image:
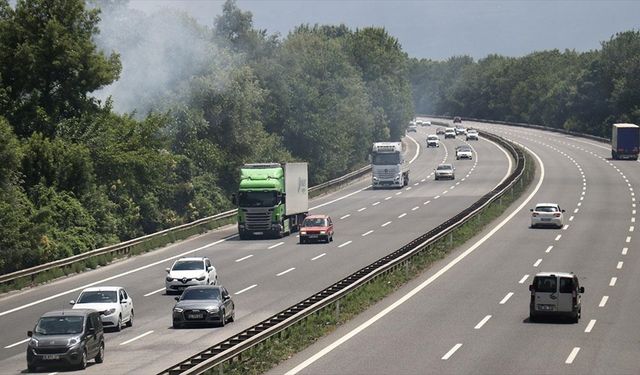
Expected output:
{"points": [[451, 352], [603, 301], [506, 298]]}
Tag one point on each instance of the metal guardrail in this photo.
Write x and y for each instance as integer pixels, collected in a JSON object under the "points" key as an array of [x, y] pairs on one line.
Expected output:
{"points": [[125, 247], [233, 346]]}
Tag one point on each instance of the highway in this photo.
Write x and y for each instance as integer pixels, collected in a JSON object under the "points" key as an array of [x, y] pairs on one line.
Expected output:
{"points": [[468, 314], [264, 276]]}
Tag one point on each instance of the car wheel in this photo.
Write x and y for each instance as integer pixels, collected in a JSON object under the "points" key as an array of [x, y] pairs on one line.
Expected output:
{"points": [[31, 368], [223, 319], [177, 325], [232, 318], [130, 322], [532, 318], [100, 356], [119, 324], [331, 238], [83, 360]]}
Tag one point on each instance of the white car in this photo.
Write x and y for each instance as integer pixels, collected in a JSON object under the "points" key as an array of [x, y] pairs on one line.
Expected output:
{"points": [[412, 128], [445, 171], [472, 135], [464, 152], [547, 214], [460, 130], [449, 133], [433, 140], [113, 302], [186, 272]]}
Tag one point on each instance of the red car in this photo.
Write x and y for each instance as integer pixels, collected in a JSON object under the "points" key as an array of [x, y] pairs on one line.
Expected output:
{"points": [[316, 228]]}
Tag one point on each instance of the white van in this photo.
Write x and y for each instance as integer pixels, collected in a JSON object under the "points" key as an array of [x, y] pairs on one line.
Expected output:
{"points": [[555, 294]]}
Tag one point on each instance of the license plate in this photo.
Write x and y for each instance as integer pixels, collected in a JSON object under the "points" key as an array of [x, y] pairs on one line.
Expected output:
{"points": [[50, 356], [545, 307], [313, 236], [258, 233], [545, 219], [195, 316]]}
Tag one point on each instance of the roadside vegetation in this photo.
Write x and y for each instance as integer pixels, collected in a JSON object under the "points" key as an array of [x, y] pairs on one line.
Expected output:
{"points": [[582, 92], [75, 174]]}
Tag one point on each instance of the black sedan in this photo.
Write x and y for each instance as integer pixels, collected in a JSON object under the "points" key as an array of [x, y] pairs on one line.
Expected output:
{"points": [[203, 304]]}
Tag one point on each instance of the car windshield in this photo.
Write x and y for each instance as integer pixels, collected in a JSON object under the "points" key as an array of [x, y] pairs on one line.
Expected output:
{"points": [[432, 137], [188, 265], [444, 167], [545, 284], [200, 294], [386, 159], [546, 209], [257, 198], [464, 148], [315, 222], [59, 325], [109, 296], [472, 131]]}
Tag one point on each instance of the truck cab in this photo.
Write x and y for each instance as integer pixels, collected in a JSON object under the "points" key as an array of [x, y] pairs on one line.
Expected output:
{"points": [[387, 165]]}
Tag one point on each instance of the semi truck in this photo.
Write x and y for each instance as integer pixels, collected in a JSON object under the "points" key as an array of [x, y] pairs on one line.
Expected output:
{"points": [[272, 199], [625, 140], [387, 165]]}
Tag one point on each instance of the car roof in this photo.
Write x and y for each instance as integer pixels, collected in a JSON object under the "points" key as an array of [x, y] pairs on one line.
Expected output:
{"points": [[561, 274], [433, 136], [191, 258], [317, 216], [547, 204], [445, 165], [69, 312], [204, 287], [102, 288]]}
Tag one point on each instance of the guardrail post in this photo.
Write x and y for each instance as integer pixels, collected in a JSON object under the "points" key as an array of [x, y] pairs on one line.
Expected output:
{"points": [[337, 310], [451, 238], [406, 268], [221, 369]]}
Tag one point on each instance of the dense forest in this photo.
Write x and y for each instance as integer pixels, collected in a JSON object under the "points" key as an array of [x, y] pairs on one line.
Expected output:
{"points": [[75, 174], [584, 92]]}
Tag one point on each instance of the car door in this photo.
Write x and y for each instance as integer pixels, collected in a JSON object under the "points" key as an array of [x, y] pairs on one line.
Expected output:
{"points": [[91, 334], [546, 293], [329, 226], [566, 291], [227, 302], [127, 305]]}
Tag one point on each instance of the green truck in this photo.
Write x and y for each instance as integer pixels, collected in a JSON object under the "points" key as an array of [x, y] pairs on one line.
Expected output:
{"points": [[272, 199]]}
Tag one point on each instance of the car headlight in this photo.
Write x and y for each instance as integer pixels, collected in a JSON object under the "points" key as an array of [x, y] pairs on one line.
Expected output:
{"points": [[169, 278], [213, 310], [110, 311], [34, 342], [323, 232], [177, 310], [201, 278], [375, 178], [303, 232], [73, 341]]}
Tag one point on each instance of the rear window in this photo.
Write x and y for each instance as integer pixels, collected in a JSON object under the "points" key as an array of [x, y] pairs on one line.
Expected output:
{"points": [[444, 167], [314, 223], [546, 209], [545, 284], [566, 285]]}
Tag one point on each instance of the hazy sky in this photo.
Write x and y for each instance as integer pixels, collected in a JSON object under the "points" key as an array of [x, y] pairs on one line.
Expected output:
{"points": [[440, 29]]}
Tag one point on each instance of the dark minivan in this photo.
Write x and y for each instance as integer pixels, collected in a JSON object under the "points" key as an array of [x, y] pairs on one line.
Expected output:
{"points": [[69, 337]]}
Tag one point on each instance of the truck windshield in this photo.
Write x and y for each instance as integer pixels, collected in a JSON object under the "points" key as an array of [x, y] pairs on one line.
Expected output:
{"points": [[257, 198], [386, 159]]}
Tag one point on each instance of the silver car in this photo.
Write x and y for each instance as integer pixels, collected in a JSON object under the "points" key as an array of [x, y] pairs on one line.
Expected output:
{"points": [[207, 304], [445, 171], [464, 152], [472, 135], [547, 214]]}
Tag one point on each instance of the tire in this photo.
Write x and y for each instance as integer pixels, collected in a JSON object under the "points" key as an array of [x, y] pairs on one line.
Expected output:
{"points": [[176, 325], [31, 368], [232, 318], [130, 322], [223, 319], [302, 241], [83, 361], [119, 324], [100, 356], [331, 238], [532, 318]]}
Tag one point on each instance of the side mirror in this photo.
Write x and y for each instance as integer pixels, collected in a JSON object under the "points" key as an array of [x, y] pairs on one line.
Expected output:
{"points": [[531, 209], [168, 269], [581, 289], [124, 301], [72, 302], [29, 333], [563, 211], [234, 200], [210, 268], [284, 198], [226, 297], [531, 288], [176, 298], [92, 330]]}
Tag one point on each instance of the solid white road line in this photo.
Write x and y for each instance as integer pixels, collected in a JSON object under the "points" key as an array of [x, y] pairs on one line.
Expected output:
{"points": [[619, 266], [613, 281], [286, 271], [17, 343], [276, 245], [572, 355], [506, 298], [114, 277], [427, 282], [537, 263], [318, 256], [345, 216], [417, 150], [592, 322], [603, 301], [451, 352], [524, 278], [345, 244], [245, 289], [385, 224], [549, 249], [482, 322], [367, 233], [137, 337], [244, 258], [402, 215], [154, 292]]}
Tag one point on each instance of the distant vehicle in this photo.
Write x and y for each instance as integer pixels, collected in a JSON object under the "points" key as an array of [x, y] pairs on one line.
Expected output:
{"points": [[433, 140], [457, 120], [625, 139], [419, 122], [316, 228], [412, 128], [547, 214], [205, 304], [427, 123], [445, 171], [464, 152], [555, 294], [440, 131], [387, 165], [190, 271], [460, 130], [472, 135], [68, 337], [449, 133], [113, 302]]}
